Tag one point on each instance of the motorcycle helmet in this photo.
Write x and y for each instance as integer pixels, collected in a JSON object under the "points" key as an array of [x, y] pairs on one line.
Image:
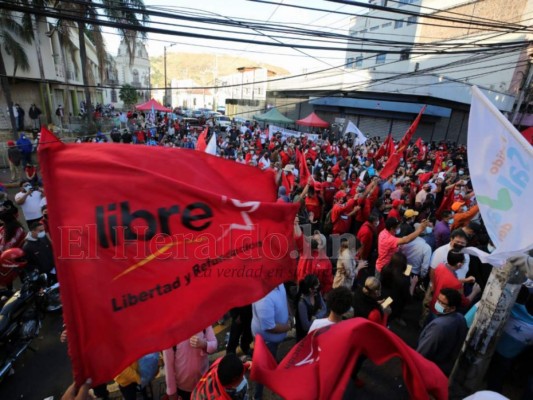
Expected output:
{"points": [[13, 258]]}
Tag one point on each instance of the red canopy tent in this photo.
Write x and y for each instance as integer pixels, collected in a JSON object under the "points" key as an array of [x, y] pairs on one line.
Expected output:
{"points": [[152, 105], [528, 134], [313, 120]]}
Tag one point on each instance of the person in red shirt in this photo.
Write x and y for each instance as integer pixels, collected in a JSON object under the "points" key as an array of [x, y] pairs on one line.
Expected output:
{"points": [[388, 242], [445, 277], [315, 261], [368, 236], [328, 191], [341, 213], [395, 210]]}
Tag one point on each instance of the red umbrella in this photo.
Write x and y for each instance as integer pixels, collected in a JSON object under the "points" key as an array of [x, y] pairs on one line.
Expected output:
{"points": [[313, 120], [152, 105]]}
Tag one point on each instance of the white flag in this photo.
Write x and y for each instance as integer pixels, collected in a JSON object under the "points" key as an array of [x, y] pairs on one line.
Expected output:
{"points": [[501, 167], [360, 138], [212, 145]]}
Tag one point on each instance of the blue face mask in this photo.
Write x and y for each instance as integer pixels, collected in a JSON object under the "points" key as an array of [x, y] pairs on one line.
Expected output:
{"points": [[429, 229], [450, 221], [439, 308]]}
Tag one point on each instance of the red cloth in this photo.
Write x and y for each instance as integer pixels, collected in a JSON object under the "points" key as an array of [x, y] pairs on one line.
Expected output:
{"points": [[341, 221], [328, 192], [425, 177], [421, 149], [411, 131], [201, 144], [438, 163], [384, 148], [320, 365], [316, 263], [447, 202], [302, 167], [366, 235], [391, 166], [446, 279], [182, 243]]}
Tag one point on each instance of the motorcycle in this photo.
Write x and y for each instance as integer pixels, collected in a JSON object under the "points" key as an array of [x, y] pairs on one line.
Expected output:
{"points": [[22, 313]]}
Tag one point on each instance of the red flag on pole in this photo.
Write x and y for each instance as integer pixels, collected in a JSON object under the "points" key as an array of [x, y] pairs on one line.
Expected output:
{"points": [[151, 241], [425, 177], [302, 166], [384, 148], [412, 129], [201, 144], [447, 202], [319, 366], [438, 163], [390, 166]]}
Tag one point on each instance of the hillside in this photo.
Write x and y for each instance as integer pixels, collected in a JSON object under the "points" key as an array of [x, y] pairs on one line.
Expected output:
{"points": [[201, 67]]}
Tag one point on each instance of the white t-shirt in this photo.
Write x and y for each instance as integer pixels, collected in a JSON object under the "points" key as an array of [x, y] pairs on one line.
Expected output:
{"points": [[319, 323], [32, 206], [441, 256]]}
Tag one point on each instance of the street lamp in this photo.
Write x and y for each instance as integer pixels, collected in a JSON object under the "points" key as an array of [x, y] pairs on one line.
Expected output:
{"points": [[165, 96]]}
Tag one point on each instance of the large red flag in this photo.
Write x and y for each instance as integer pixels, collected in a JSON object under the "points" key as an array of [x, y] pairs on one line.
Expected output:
{"points": [[412, 129], [447, 202], [391, 166], [302, 166], [201, 143], [320, 365], [149, 242]]}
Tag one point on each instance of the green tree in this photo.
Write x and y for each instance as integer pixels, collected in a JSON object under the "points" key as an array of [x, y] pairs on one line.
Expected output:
{"points": [[11, 33], [128, 94], [130, 12]]}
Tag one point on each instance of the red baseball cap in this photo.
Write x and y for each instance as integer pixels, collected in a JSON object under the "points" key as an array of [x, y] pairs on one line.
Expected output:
{"points": [[397, 203]]}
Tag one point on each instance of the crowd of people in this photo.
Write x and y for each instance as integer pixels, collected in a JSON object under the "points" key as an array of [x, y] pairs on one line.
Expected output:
{"points": [[370, 244]]}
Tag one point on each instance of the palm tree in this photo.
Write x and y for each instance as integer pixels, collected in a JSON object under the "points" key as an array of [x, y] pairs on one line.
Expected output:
{"points": [[131, 12], [11, 32]]}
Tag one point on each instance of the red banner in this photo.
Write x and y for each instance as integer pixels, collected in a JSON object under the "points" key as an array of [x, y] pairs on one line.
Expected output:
{"points": [[447, 202], [201, 143], [384, 148], [320, 365], [390, 166], [151, 242], [411, 131], [438, 163]]}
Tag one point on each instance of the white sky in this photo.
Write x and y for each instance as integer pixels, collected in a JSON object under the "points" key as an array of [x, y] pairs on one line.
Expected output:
{"points": [[289, 58]]}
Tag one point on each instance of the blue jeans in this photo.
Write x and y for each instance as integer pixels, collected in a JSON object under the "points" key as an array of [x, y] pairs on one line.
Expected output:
{"points": [[273, 347]]}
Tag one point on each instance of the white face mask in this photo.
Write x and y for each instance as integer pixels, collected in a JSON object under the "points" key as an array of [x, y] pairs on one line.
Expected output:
{"points": [[376, 224], [330, 179], [398, 231], [450, 221], [41, 235], [490, 248], [464, 208]]}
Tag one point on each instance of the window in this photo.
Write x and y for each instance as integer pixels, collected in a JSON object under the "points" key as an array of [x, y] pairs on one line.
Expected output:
{"points": [[359, 61], [380, 58], [114, 98], [374, 28], [398, 24], [388, 24], [405, 54], [411, 20], [349, 62]]}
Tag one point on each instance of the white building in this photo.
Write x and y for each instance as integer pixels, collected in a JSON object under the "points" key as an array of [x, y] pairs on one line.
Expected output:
{"points": [[136, 73]]}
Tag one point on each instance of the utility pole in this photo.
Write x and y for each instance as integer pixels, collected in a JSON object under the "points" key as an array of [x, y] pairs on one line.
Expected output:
{"points": [[498, 298]]}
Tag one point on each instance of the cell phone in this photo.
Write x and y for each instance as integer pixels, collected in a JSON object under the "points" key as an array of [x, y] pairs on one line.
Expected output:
{"points": [[388, 301]]}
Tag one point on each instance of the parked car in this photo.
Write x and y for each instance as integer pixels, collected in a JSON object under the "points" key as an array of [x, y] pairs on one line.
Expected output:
{"points": [[221, 110], [222, 121], [197, 114]]}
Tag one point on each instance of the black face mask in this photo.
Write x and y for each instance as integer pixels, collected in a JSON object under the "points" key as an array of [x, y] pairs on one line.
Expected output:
{"points": [[458, 247], [314, 244]]}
